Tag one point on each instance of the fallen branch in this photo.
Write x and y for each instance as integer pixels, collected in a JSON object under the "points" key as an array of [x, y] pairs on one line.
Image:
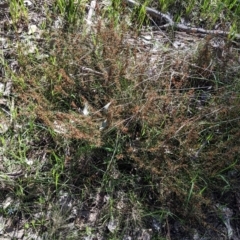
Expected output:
{"points": [[90, 15], [161, 16]]}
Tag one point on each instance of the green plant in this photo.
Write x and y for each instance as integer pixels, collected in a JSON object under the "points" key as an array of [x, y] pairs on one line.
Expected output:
{"points": [[18, 11], [164, 5], [70, 10]]}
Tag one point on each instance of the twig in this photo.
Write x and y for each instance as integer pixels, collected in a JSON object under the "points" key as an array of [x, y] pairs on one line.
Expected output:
{"points": [[169, 22], [16, 174], [90, 14], [168, 230], [86, 69]]}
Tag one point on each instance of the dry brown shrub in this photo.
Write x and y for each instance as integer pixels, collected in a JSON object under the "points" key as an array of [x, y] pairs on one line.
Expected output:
{"points": [[167, 131]]}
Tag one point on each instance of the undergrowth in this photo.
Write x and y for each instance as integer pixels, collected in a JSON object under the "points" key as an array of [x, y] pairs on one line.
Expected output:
{"points": [[165, 149]]}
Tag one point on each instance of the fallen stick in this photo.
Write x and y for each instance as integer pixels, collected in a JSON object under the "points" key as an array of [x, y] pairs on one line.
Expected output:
{"points": [[156, 14], [86, 69], [90, 15]]}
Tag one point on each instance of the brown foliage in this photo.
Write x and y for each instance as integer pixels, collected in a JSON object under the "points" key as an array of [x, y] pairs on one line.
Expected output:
{"points": [[168, 131]]}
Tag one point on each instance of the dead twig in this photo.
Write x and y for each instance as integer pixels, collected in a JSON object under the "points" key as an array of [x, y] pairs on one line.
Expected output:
{"points": [[90, 15], [86, 69], [169, 22]]}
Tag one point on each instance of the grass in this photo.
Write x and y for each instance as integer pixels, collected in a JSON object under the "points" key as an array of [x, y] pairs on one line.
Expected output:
{"points": [[156, 162], [18, 11]]}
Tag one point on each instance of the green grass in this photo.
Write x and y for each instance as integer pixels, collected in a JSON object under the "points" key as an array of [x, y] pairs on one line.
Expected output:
{"points": [[18, 11], [70, 10], [169, 152]]}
